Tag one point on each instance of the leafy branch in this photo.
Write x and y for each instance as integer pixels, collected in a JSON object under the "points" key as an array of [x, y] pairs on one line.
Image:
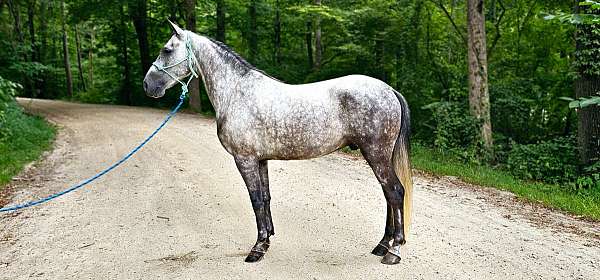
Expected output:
{"points": [[583, 102], [578, 18]]}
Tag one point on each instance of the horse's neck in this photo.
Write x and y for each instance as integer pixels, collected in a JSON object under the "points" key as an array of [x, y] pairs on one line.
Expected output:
{"points": [[218, 74]]}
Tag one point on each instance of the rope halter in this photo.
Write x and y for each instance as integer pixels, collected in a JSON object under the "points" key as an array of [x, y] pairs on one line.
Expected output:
{"points": [[191, 62]]}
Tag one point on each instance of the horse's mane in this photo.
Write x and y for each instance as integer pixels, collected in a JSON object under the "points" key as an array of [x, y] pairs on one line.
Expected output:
{"points": [[237, 60]]}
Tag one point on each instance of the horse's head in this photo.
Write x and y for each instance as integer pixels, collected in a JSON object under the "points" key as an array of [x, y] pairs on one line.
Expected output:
{"points": [[173, 64]]}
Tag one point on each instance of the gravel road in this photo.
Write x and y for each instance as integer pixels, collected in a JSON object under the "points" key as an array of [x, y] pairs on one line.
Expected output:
{"points": [[179, 210]]}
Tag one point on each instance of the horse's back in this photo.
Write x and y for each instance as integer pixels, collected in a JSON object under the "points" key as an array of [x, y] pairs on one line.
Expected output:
{"points": [[367, 109]]}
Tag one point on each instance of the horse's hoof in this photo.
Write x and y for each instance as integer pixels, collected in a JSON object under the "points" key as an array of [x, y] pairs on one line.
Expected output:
{"points": [[379, 250], [254, 257], [390, 259]]}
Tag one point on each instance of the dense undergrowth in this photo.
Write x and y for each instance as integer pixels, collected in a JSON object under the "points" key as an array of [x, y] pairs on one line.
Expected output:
{"points": [[23, 138]]}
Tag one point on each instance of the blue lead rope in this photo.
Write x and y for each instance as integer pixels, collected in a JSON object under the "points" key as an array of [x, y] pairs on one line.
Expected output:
{"points": [[103, 172], [191, 62]]}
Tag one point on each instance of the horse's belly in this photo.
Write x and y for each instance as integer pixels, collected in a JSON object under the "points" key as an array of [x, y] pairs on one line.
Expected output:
{"points": [[303, 141], [278, 140]]}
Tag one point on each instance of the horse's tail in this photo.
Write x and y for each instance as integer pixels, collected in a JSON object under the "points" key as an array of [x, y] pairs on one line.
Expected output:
{"points": [[401, 162]]}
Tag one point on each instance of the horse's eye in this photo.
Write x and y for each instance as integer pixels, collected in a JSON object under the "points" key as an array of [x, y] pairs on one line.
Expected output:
{"points": [[167, 49]]}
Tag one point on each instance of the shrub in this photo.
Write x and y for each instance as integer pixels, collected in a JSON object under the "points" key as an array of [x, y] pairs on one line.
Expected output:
{"points": [[95, 95], [590, 178], [8, 90], [552, 161], [455, 130]]}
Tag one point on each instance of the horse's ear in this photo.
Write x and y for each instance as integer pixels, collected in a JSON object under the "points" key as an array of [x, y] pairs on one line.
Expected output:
{"points": [[176, 29]]}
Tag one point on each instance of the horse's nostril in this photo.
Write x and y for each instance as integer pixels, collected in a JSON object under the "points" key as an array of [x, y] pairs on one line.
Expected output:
{"points": [[145, 86]]}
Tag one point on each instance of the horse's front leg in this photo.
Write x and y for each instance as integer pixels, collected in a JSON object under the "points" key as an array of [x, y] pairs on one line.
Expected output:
{"points": [[264, 178], [249, 168]]}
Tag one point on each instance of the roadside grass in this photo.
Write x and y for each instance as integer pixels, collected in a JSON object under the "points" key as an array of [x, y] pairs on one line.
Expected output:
{"points": [[28, 137], [584, 203]]}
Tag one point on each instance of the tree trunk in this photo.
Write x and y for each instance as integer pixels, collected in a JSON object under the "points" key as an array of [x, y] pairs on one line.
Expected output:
{"points": [[30, 82], [221, 20], [140, 17], [416, 22], [252, 32], [479, 99], [588, 125], [43, 15], [309, 49], [588, 84], [194, 87], [125, 96], [43, 31], [65, 45], [78, 46], [91, 56], [30, 23], [277, 39], [13, 7], [450, 36], [318, 46]]}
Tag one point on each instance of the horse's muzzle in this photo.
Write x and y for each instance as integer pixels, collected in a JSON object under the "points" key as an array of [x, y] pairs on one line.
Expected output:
{"points": [[154, 89]]}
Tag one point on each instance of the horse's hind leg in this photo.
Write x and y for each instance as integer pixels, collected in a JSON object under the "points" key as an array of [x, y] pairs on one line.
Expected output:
{"points": [[264, 178], [250, 170], [384, 245], [394, 194], [380, 162]]}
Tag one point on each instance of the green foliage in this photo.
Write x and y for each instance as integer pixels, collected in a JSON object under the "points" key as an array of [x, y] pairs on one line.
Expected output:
{"points": [[574, 18], [26, 138], [96, 96], [525, 111], [324, 11], [455, 130], [578, 18], [553, 161], [583, 102], [588, 51], [8, 90], [590, 178], [22, 137]]}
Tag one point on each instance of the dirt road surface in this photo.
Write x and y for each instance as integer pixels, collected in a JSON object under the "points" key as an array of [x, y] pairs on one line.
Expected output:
{"points": [[179, 210]]}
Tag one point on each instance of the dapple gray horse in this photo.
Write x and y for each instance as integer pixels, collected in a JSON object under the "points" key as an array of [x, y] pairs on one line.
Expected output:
{"points": [[260, 118]]}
